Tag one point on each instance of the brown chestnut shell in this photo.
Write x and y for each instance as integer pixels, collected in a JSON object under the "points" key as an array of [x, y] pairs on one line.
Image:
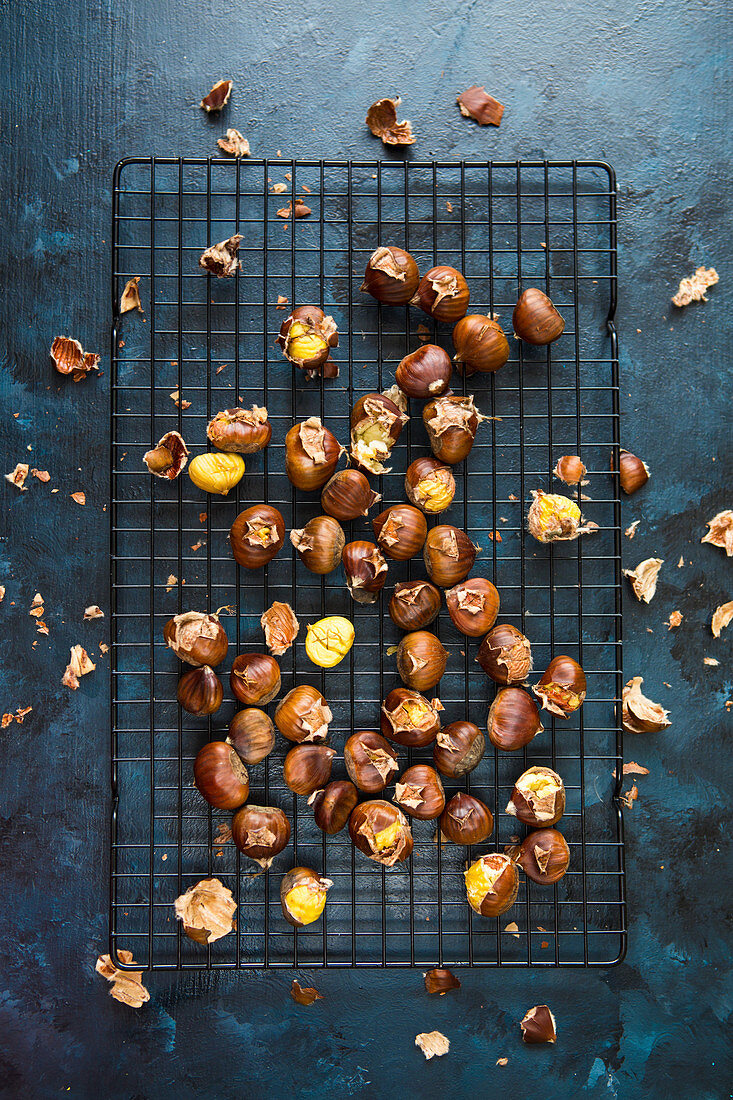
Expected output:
{"points": [[535, 319], [425, 372], [513, 720], [400, 531], [562, 689], [197, 638], [200, 691], [376, 423], [257, 535], [430, 485], [348, 495], [243, 431], [308, 767], [370, 761], [311, 454], [414, 604], [301, 877], [260, 832], [443, 294], [466, 819], [538, 808], [480, 345], [306, 339], [255, 678], [544, 856], [505, 655], [319, 544], [505, 886], [369, 821], [458, 748], [365, 569], [633, 473], [332, 805], [303, 715], [409, 719], [451, 423], [391, 275], [421, 659], [251, 735], [419, 792], [220, 776], [473, 605], [448, 554]]}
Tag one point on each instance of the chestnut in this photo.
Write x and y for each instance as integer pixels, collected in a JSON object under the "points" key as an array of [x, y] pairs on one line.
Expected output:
{"points": [[220, 776], [197, 638], [430, 485], [381, 831], [544, 856], [365, 569], [473, 605], [241, 430], [333, 804], [257, 534], [391, 276], [425, 372], [200, 691], [400, 531], [251, 735], [370, 761], [538, 797], [443, 294], [421, 659], [319, 544], [505, 655], [480, 345], [555, 518], [255, 678], [569, 469], [308, 767], [513, 719], [535, 319], [408, 719], [303, 715], [348, 495], [414, 604], [260, 832], [303, 895], [448, 554], [458, 748], [376, 423], [466, 820], [562, 687], [633, 473], [420, 793], [311, 454], [451, 423], [306, 338], [492, 884]]}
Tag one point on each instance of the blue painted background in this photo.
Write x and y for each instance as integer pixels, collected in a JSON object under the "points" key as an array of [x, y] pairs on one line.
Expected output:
{"points": [[643, 85]]}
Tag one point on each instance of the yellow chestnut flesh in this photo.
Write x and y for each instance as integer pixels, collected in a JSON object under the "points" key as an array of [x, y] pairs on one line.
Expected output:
{"points": [[305, 904], [480, 879], [387, 838], [329, 640], [303, 343], [216, 471]]}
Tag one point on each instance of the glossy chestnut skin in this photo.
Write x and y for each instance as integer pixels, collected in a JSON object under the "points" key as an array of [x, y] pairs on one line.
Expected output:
{"points": [[414, 604], [466, 819], [425, 372], [370, 761], [196, 638], [200, 691], [505, 886], [256, 536], [255, 678], [570, 469], [297, 877], [513, 719], [251, 735], [505, 655], [323, 335], [220, 776], [421, 659], [448, 554], [562, 689], [480, 345], [633, 473], [473, 605], [451, 423], [371, 818], [458, 748], [391, 275], [408, 719], [243, 431], [553, 859], [419, 792], [535, 319], [365, 569], [539, 810], [260, 832], [333, 804], [348, 495], [303, 715], [430, 485], [443, 294], [319, 544], [311, 454], [308, 767], [400, 531], [376, 423]]}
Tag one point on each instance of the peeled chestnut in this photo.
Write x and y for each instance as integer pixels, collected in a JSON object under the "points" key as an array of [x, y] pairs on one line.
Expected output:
{"points": [[376, 423], [308, 767], [303, 715], [311, 454], [570, 469], [200, 691], [333, 804], [197, 638], [480, 345], [400, 531], [420, 793], [430, 485], [535, 319], [303, 895], [633, 473], [409, 719], [391, 276], [562, 688], [370, 760], [449, 555], [348, 495], [451, 423], [555, 518], [256, 535], [443, 294], [365, 569], [381, 831], [319, 544], [473, 605], [414, 604], [260, 832], [421, 660], [544, 856], [220, 776], [306, 338], [251, 735], [538, 797], [241, 430], [255, 678], [458, 748], [425, 372], [492, 884], [513, 719], [466, 820], [505, 655]]}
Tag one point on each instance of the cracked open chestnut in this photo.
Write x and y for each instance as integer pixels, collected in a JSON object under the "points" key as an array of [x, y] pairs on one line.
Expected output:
{"points": [[260, 833], [513, 719], [562, 689], [251, 735], [197, 638], [376, 423], [421, 659], [538, 797], [492, 884], [458, 748], [308, 767], [409, 719], [535, 319], [243, 431], [480, 345], [448, 554], [303, 895], [466, 819], [633, 472], [419, 792], [348, 495], [311, 454], [505, 655], [430, 485], [473, 605], [400, 531], [365, 569], [220, 776], [391, 275], [544, 856], [370, 760], [333, 804], [200, 691], [255, 678], [381, 831], [451, 423], [303, 715], [319, 544], [425, 372], [306, 339], [414, 604], [256, 536], [443, 294]]}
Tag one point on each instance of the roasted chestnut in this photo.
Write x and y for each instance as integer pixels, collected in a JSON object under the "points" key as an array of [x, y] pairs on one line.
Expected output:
{"points": [[242, 430], [451, 423], [430, 485], [443, 294], [329, 640], [505, 655], [255, 678], [216, 472], [414, 604], [169, 457], [319, 544], [311, 454], [480, 345], [535, 319], [391, 276], [421, 659], [425, 372], [197, 638], [408, 719], [420, 793], [513, 719], [492, 884], [538, 797], [303, 715], [370, 760], [633, 473], [308, 767], [220, 776], [365, 569], [260, 832], [256, 535], [570, 469], [562, 688], [306, 338], [376, 423], [400, 531], [458, 748], [348, 495], [466, 820], [555, 518], [333, 804], [544, 856], [303, 895], [381, 831], [448, 554], [251, 735], [473, 605], [200, 691]]}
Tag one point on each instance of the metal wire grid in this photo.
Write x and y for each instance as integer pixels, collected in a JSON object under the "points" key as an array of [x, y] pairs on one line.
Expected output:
{"points": [[506, 226]]}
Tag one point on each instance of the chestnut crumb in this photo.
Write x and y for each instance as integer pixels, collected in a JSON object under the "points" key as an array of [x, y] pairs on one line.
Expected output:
{"points": [[538, 1026], [382, 121], [70, 358], [441, 981], [304, 995], [79, 665], [477, 104], [218, 97], [131, 296], [221, 259], [433, 1044], [720, 531], [693, 288], [234, 144]]}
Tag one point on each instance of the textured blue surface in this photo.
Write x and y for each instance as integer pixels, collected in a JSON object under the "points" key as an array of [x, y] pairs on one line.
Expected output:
{"points": [[643, 85]]}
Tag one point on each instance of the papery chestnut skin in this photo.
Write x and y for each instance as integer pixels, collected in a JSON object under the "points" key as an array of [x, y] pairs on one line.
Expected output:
{"points": [[303, 896], [414, 604], [308, 767], [319, 544], [480, 345], [448, 554], [376, 423], [425, 372], [348, 495], [419, 792], [466, 819], [370, 761], [303, 715], [260, 832], [513, 719], [538, 797], [251, 735], [562, 689], [458, 748], [400, 531], [492, 884], [473, 605], [544, 856], [451, 423], [255, 678], [200, 691], [333, 804], [409, 719], [381, 831], [391, 275], [365, 569], [220, 776], [535, 319], [443, 294], [197, 638], [306, 339], [505, 655], [421, 659], [243, 431], [256, 536], [311, 454], [633, 473], [430, 485]]}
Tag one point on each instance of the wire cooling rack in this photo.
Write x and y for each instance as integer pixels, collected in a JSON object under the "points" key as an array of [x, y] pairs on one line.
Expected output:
{"points": [[205, 344]]}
